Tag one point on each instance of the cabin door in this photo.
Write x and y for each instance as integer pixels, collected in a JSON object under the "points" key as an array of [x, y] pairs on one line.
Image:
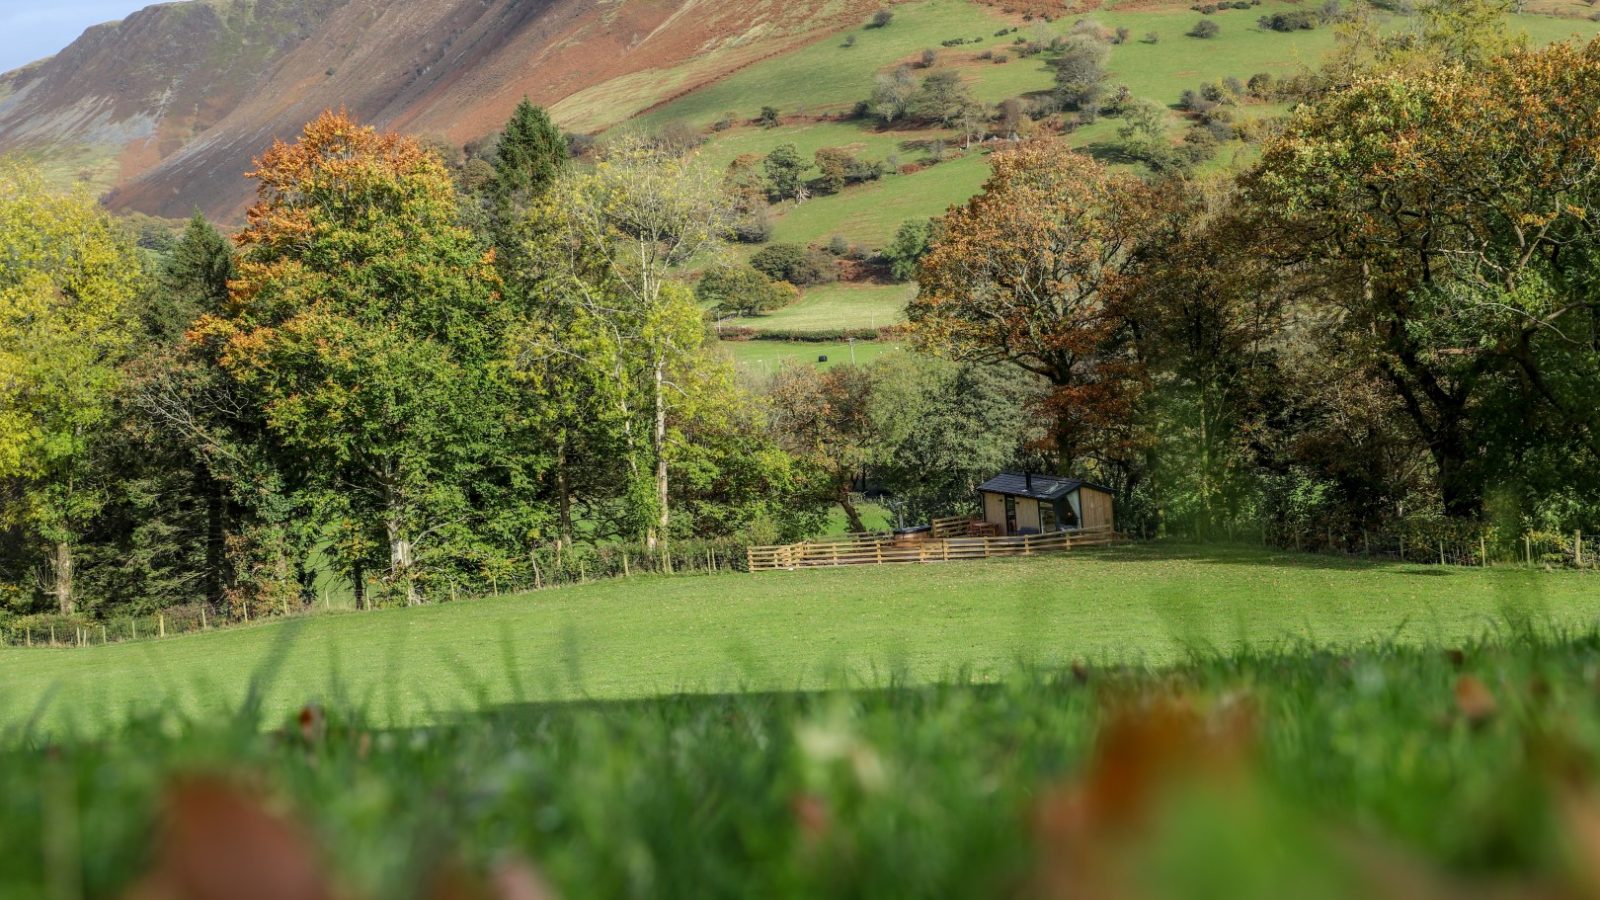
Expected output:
{"points": [[1011, 515]]}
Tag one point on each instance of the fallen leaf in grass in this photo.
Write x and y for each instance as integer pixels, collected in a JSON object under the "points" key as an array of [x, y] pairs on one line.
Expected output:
{"points": [[811, 814], [219, 842], [1473, 700], [313, 723], [512, 880]]}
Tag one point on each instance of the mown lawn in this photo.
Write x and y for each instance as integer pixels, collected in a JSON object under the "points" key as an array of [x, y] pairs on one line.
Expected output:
{"points": [[784, 631]]}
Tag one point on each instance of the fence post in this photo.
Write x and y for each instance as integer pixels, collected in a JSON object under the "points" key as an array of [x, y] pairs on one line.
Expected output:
{"points": [[1527, 547], [1483, 550], [1366, 543], [202, 617], [52, 635], [161, 623], [134, 625], [1441, 551], [1577, 546], [103, 640]]}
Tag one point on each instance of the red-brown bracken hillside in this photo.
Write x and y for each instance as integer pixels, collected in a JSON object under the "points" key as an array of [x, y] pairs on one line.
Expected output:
{"points": [[170, 106]]}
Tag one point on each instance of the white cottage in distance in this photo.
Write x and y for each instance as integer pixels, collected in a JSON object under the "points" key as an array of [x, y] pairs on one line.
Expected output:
{"points": [[1025, 503]]}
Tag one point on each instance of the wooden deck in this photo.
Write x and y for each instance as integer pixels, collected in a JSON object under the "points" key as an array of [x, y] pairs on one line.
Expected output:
{"points": [[876, 550]]}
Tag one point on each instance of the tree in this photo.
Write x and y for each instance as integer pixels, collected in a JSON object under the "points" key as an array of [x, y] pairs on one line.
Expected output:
{"points": [[1033, 272], [1144, 135], [910, 245], [364, 326], [892, 93], [65, 289], [743, 291], [800, 266], [1205, 29], [941, 98], [640, 214], [785, 169], [881, 19], [1445, 216], [941, 429], [824, 419], [530, 156], [1081, 71]]}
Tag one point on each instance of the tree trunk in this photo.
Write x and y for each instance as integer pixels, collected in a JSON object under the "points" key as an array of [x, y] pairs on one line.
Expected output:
{"points": [[563, 490], [850, 511], [358, 583], [1459, 490], [216, 577], [401, 560], [61, 567], [659, 440]]}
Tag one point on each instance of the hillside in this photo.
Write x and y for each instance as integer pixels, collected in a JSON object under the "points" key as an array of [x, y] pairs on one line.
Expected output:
{"points": [[170, 106]]}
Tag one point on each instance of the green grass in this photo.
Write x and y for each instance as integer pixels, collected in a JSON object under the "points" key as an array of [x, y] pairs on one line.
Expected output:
{"points": [[828, 76], [767, 357], [787, 630], [866, 143], [870, 214], [1348, 772], [841, 305]]}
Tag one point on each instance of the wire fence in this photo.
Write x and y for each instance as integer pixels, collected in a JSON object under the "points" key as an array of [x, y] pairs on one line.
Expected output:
{"points": [[1450, 546], [548, 568]]}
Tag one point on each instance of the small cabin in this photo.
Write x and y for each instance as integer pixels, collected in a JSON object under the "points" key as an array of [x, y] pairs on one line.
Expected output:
{"points": [[1043, 504]]}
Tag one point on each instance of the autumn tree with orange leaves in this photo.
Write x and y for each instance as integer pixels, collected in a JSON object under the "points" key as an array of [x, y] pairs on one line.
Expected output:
{"points": [[1034, 272], [365, 327]]}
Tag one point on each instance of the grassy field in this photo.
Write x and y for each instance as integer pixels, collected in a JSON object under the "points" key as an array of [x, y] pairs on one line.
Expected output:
{"points": [[1410, 761], [766, 357], [841, 305], [789, 631]]}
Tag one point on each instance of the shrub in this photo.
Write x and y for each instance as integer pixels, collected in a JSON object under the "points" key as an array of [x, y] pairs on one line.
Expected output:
{"points": [[839, 245], [755, 228], [1122, 35], [881, 19], [770, 117], [1205, 29], [929, 57], [849, 41], [1298, 20], [795, 264], [1152, 37], [1261, 86], [726, 121]]}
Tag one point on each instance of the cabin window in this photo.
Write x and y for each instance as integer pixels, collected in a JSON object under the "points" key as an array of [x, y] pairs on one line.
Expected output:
{"points": [[1047, 518]]}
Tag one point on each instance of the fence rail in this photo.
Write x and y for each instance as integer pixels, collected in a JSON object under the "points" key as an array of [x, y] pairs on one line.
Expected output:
{"points": [[888, 551]]}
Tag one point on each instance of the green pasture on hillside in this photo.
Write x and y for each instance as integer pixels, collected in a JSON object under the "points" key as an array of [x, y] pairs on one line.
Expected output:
{"points": [[784, 631], [767, 357], [834, 306]]}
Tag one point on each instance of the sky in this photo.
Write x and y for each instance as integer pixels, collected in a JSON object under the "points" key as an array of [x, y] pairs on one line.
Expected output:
{"points": [[34, 29]]}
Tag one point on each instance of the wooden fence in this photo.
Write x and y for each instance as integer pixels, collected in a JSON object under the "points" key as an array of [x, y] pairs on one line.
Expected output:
{"points": [[883, 551]]}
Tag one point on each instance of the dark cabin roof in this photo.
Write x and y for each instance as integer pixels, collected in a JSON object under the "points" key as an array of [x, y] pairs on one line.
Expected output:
{"points": [[1045, 487]]}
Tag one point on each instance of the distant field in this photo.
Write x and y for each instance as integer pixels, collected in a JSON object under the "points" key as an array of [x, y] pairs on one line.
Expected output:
{"points": [[768, 356], [838, 306], [870, 214], [795, 630]]}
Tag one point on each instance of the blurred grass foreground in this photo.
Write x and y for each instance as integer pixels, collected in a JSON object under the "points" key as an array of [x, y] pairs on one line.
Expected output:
{"points": [[1383, 771]]}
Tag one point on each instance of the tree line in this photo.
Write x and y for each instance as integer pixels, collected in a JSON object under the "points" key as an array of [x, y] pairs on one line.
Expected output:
{"points": [[418, 374]]}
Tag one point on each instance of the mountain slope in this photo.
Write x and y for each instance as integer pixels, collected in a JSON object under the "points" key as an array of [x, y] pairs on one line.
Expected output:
{"points": [[170, 106]]}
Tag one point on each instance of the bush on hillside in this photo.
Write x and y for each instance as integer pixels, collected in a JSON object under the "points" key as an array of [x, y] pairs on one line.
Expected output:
{"points": [[1205, 29], [795, 264]]}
